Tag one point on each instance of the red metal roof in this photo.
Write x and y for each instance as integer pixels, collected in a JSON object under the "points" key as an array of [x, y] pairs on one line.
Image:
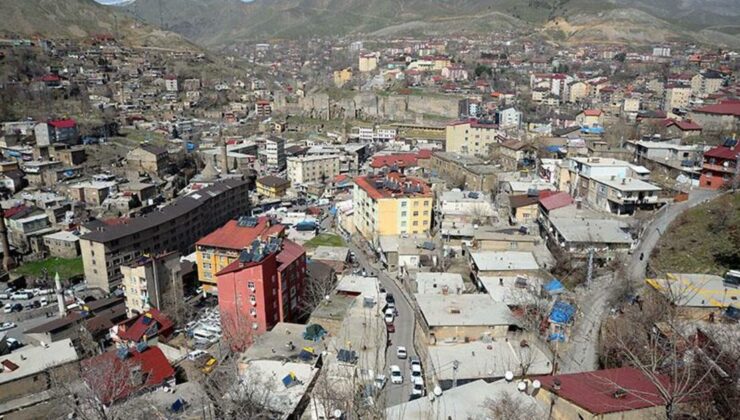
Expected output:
{"points": [[68, 123], [368, 184], [723, 108], [291, 251], [597, 391], [400, 160], [134, 329], [556, 201], [110, 375], [723, 152], [685, 125], [592, 112], [233, 236]]}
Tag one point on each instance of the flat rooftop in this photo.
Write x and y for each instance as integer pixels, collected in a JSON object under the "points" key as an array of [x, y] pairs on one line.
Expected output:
{"points": [[626, 184], [435, 283], [697, 290], [282, 399], [31, 360], [504, 261], [273, 345], [331, 253], [591, 230], [463, 310], [481, 360]]}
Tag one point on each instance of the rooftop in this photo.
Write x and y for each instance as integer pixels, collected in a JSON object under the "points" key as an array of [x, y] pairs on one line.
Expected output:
{"points": [[238, 235], [463, 310], [504, 261], [331, 253], [31, 360], [437, 283], [63, 235], [590, 230], [479, 360], [273, 344], [283, 399], [393, 185], [696, 290], [606, 391], [179, 207], [626, 184]]}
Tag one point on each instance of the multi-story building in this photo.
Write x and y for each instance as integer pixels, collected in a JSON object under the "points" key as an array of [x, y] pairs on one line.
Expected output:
{"points": [[391, 205], [706, 83], [170, 83], [275, 152], [221, 247], [263, 108], [272, 186], [508, 118], [262, 287], [174, 227], [557, 84], [676, 96], [623, 195], [152, 282], [463, 171], [148, 159], [470, 137], [720, 166], [341, 77], [368, 62], [373, 133], [571, 170], [57, 131], [306, 169]]}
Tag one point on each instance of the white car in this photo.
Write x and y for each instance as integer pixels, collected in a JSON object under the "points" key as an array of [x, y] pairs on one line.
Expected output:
{"points": [[5, 326], [193, 355], [388, 316], [396, 376], [401, 352], [380, 381], [415, 368], [418, 387], [44, 301]]}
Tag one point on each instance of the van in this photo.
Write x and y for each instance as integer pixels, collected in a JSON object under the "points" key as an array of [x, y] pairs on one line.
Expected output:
{"points": [[204, 336], [21, 295]]}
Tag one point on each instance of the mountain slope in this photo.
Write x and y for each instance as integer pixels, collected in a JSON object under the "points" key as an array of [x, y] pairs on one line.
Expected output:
{"points": [[80, 19], [220, 23]]}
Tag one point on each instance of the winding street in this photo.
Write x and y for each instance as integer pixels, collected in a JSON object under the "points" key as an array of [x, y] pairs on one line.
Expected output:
{"points": [[594, 298]]}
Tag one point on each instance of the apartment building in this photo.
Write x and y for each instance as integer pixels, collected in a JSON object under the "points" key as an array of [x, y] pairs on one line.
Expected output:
{"points": [[57, 131], [368, 62], [706, 83], [471, 137], [275, 152], [306, 169], [262, 287], [272, 186], [152, 282], [571, 170], [721, 166], [174, 227], [263, 108], [218, 249], [676, 96], [374, 133], [391, 205]]}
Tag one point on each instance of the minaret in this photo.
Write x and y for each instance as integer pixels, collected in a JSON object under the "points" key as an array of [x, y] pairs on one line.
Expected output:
{"points": [[224, 154], [8, 262], [60, 295]]}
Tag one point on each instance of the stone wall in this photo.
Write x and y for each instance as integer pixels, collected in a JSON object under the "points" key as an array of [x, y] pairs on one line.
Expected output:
{"points": [[367, 105]]}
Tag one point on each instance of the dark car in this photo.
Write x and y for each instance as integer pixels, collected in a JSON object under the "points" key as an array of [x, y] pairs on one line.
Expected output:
{"points": [[17, 307], [391, 328], [389, 298]]}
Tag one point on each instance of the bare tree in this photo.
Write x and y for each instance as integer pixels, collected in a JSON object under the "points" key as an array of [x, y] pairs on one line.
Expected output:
{"points": [[504, 407], [230, 393], [317, 288], [238, 330]]}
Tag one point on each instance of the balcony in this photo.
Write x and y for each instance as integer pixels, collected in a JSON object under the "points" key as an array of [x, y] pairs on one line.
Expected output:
{"points": [[730, 169]]}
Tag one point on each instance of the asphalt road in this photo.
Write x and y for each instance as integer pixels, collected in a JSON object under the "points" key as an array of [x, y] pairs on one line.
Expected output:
{"points": [[594, 298], [394, 393]]}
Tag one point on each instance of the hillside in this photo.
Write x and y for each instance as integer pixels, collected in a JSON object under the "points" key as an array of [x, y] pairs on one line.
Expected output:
{"points": [[220, 23], [80, 19], [705, 239]]}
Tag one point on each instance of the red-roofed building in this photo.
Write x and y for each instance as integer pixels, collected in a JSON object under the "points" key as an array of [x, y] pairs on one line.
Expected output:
{"points": [[400, 161], [262, 287], [722, 116], [57, 131], [549, 201], [681, 128], [220, 248], [147, 327], [118, 374], [590, 118], [603, 394], [720, 165]]}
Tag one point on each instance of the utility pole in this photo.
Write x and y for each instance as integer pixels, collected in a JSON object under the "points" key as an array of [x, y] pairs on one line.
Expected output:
{"points": [[590, 274], [455, 366]]}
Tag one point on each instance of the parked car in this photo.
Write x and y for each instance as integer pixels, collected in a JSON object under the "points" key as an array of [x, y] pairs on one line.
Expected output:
{"points": [[193, 355], [209, 365], [17, 307], [8, 308], [44, 301], [13, 343], [391, 328], [21, 296], [396, 376], [415, 368], [418, 389], [390, 299], [389, 316], [380, 381], [5, 326]]}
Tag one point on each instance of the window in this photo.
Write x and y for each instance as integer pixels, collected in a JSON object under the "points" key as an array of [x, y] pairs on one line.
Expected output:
{"points": [[426, 203], [250, 284], [403, 214], [426, 212], [403, 203], [253, 298], [416, 213], [416, 204], [416, 223]]}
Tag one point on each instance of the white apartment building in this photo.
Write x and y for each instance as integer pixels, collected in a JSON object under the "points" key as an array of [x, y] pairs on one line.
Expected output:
{"points": [[307, 169], [275, 152]]}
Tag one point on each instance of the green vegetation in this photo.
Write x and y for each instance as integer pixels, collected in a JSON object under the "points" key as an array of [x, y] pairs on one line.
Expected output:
{"points": [[67, 268], [325, 239], [705, 239]]}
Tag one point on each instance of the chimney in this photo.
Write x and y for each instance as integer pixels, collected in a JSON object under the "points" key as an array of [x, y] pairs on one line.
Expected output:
{"points": [[624, 181], [556, 384]]}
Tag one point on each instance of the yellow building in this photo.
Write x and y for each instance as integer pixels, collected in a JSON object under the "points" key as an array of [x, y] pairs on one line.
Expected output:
{"points": [[220, 248], [272, 186], [341, 77], [391, 205], [676, 96], [368, 62], [470, 137], [578, 90]]}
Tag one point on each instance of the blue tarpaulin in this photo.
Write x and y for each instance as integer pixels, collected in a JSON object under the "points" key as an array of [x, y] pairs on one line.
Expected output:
{"points": [[554, 287], [562, 313], [554, 149], [556, 337], [177, 406]]}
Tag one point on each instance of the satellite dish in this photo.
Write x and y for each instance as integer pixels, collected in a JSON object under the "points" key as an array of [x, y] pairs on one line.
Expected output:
{"points": [[521, 386], [438, 391], [536, 384], [509, 376], [337, 413]]}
